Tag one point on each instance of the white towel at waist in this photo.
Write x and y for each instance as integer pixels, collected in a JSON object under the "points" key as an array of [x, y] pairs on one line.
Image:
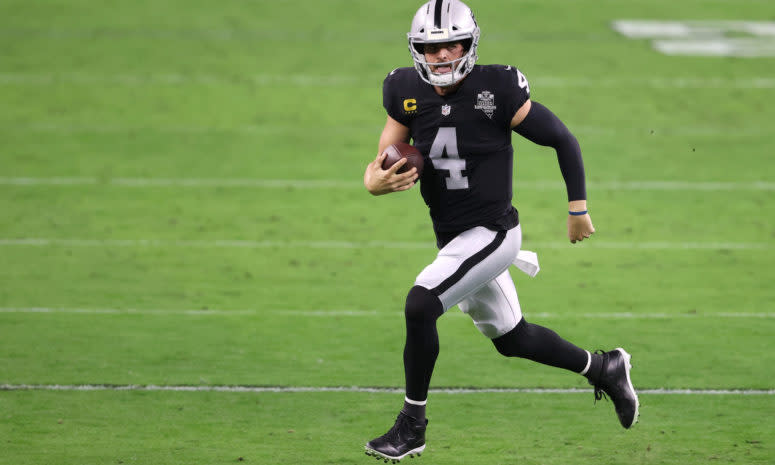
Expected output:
{"points": [[527, 261]]}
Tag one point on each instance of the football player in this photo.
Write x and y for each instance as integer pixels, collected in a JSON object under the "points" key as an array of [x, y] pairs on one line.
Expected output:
{"points": [[460, 115]]}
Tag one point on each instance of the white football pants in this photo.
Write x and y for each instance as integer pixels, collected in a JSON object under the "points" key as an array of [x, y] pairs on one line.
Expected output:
{"points": [[472, 272]]}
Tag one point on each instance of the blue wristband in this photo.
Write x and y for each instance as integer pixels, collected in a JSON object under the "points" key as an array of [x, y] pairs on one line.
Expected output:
{"points": [[584, 212]]}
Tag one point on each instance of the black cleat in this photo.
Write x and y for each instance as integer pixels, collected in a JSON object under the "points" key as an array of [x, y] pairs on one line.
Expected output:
{"points": [[614, 380], [406, 437]]}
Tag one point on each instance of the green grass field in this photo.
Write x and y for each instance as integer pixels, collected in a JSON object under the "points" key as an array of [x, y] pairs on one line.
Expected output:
{"points": [[181, 207]]}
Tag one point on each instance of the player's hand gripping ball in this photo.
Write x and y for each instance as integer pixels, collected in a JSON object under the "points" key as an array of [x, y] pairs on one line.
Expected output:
{"points": [[401, 150]]}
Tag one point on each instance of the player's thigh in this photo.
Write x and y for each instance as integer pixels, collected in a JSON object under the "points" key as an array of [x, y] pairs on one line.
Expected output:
{"points": [[468, 262], [494, 307]]}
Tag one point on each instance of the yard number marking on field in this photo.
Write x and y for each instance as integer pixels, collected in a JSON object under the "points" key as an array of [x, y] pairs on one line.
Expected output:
{"points": [[749, 39]]}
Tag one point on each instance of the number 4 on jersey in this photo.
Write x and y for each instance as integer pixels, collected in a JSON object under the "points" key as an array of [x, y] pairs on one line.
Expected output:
{"points": [[521, 79], [446, 142], [523, 82]]}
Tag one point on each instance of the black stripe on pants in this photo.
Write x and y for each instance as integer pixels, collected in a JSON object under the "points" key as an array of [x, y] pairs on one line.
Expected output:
{"points": [[469, 263]]}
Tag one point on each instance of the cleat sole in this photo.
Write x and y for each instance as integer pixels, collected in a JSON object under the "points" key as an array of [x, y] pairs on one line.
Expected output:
{"points": [[386, 458], [628, 365]]}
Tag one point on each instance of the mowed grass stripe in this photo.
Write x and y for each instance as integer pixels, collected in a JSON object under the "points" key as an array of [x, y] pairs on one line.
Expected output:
{"points": [[650, 185], [360, 389], [327, 80], [249, 244], [265, 129], [318, 428], [368, 313], [288, 350]]}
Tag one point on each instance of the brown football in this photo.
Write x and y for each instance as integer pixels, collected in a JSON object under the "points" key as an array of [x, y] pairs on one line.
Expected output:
{"points": [[401, 150]]}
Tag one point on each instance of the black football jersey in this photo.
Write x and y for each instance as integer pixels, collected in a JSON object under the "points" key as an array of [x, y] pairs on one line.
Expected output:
{"points": [[465, 139]]}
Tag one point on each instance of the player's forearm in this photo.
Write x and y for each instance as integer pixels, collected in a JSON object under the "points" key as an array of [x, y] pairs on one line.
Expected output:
{"points": [[543, 127], [572, 168]]}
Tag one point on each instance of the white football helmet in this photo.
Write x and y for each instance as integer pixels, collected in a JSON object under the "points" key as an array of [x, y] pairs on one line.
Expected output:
{"points": [[444, 21]]}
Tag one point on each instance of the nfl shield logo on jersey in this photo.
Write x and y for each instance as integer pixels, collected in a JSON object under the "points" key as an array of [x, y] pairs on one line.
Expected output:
{"points": [[445, 110], [485, 102]]}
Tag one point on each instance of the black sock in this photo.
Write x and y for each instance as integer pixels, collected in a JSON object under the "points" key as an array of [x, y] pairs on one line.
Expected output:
{"points": [[415, 411], [542, 345], [422, 341]]}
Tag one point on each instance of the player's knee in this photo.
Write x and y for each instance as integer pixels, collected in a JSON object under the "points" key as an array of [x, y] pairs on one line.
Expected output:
{"points": [[510, 344], [422, 304]]}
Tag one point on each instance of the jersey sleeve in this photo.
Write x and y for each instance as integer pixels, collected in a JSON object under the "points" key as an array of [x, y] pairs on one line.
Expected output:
{"points": [[518, 89], [391, 100]]}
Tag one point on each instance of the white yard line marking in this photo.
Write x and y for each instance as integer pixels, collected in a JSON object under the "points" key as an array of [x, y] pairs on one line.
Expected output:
{"points": [[266, 129], [133, 311], [360, 389], [176, 79], [182, 182], [653, 316], [683, 185], [366, 313], [248, 244], [194, 312], [652, 185]]}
